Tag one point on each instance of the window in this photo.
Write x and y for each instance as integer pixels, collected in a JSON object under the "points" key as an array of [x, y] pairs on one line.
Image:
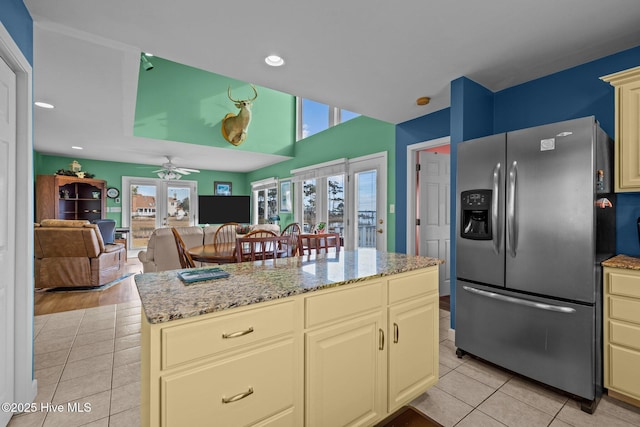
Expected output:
{"points": [[265, 200], [313, 117], [321, 196]]}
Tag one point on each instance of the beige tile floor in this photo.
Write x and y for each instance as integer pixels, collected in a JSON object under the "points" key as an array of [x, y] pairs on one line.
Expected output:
{"points": [[92, 356], [471, 393]]}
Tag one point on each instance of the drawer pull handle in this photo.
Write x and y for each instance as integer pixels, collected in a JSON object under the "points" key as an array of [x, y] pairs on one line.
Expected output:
{"points": [[238, 334], [381, 340], [237, 397], [396, 333]]}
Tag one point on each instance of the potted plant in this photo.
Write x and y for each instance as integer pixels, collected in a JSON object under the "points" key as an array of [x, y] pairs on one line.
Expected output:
{"points": [[321, 227]]}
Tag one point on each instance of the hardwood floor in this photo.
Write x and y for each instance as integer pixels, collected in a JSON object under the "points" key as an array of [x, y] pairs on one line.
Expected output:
{"points": [[55, 302], [445, 303]]}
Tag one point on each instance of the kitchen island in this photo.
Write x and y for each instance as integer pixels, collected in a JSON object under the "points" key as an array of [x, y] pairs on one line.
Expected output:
{"points": [[339, 339]]}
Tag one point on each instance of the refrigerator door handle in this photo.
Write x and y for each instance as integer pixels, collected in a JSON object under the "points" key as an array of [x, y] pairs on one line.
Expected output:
{"points": [[527, 303], [494, 209], [511, 209]]}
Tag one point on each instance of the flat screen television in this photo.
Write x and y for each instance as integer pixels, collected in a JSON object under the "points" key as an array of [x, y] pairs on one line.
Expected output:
{"points": [[221, 209]]}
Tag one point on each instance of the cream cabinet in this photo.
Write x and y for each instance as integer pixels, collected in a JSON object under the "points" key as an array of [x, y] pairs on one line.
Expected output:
{"points": [[375, 351], [344, 356], [627, 128], [622, 334], [238, 367]]}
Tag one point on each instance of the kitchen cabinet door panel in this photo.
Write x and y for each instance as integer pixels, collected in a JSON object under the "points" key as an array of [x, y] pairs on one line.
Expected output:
{"points": [[413, 346], [345, 370]]}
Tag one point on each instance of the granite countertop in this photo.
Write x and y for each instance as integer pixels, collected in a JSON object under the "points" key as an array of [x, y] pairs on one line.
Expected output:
{"points": [[165, 297], [623, 261]]}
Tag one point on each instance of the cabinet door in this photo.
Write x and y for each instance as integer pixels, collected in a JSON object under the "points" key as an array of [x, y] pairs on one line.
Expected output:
{"points": [[345, 373], [629, 137], [413, 349], [624, 375]]}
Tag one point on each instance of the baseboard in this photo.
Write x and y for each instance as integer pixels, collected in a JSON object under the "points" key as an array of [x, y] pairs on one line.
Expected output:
{"points": [[452, 335]]}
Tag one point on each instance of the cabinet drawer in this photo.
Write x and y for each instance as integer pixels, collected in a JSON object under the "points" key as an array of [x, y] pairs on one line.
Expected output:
{"points": [[624, 284], [208, 337], [196, 397], [410, 285], [624, 334], [345, 302], [624, 309], [624, 375]]}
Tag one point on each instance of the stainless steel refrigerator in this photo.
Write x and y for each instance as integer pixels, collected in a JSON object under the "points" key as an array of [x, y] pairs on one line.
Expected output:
{"points": [[535, 217]]}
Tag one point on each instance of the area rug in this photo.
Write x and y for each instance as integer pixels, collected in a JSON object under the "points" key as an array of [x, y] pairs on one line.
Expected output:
{"points": [[86, 288], [408, 417]]}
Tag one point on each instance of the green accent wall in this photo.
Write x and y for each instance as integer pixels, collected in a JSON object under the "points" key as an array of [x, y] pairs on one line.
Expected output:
{"points": [[176, 102], [112, 172], [357, 137]]}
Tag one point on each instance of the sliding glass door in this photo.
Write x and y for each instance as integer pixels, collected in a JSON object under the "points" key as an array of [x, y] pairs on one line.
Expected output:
{"points": [[150, 203]]}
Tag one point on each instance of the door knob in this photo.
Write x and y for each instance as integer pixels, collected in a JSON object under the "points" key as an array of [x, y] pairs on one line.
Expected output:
{"points": [[379, 230], [381, 221]]}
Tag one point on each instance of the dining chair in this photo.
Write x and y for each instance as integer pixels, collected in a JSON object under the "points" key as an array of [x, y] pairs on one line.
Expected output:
{"points": [[319, 243], [294, 231], [183, 255], [254, 248], [226, 233]]}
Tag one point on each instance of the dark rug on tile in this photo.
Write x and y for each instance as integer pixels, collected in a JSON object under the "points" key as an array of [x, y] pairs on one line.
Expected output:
{"points": [[85, 288], [408, 417]]}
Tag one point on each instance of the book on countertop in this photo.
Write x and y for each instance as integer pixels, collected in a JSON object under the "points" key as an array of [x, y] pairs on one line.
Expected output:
{"points": [[201, 274]]}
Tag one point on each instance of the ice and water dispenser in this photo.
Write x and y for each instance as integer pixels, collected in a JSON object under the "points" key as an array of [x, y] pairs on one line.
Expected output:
{"points": [[475, 206]]}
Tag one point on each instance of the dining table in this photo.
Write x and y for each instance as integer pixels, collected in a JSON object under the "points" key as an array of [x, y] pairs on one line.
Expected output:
{"points": [[222, 252], [215, 253]]}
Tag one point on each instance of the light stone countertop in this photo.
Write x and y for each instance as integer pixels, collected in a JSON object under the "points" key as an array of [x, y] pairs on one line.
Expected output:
{"points": [[165, 297], [623, 261]]}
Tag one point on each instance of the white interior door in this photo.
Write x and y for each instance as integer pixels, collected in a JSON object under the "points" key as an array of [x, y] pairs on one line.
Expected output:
{"points": [[7, 233], [434, 206], [368, 201]]}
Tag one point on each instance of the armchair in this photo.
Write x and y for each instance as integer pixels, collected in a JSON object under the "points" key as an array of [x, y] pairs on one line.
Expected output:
{"points": [[70, 253]]}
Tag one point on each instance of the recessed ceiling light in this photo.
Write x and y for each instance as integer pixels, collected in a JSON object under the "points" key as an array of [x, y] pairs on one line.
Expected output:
{"points": [[43, 104], [75, 147], [274, 60]]}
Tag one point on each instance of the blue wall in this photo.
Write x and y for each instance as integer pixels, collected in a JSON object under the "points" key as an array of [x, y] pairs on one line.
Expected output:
{"points": [[425, 128], [576, 92], [16, 19], [475, 111]]}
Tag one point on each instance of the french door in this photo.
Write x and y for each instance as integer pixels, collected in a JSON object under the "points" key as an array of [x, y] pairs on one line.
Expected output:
{"points": [[351, 203], [367, 203], [150, 203]]}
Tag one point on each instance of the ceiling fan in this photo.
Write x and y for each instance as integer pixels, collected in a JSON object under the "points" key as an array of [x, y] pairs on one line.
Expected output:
{"points": [[170, 171]]}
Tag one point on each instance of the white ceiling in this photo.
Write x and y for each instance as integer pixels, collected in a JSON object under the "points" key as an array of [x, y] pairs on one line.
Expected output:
{"points": [[372, 57]]}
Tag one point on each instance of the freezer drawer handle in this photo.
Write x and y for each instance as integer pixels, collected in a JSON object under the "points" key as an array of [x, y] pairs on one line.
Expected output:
{"points": [[527, 303], [494, 209]]}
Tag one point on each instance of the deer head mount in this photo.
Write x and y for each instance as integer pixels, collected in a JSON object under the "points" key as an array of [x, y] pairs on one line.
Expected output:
{"points": [[234, 126]]}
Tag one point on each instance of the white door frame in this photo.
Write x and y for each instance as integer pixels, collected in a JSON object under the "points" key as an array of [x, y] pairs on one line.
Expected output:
{"points": [[412, 155], [25, 386]]}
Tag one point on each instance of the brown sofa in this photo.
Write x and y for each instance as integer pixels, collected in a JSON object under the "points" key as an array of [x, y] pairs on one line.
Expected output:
{"points": [[72, 254], [161, 253]]}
